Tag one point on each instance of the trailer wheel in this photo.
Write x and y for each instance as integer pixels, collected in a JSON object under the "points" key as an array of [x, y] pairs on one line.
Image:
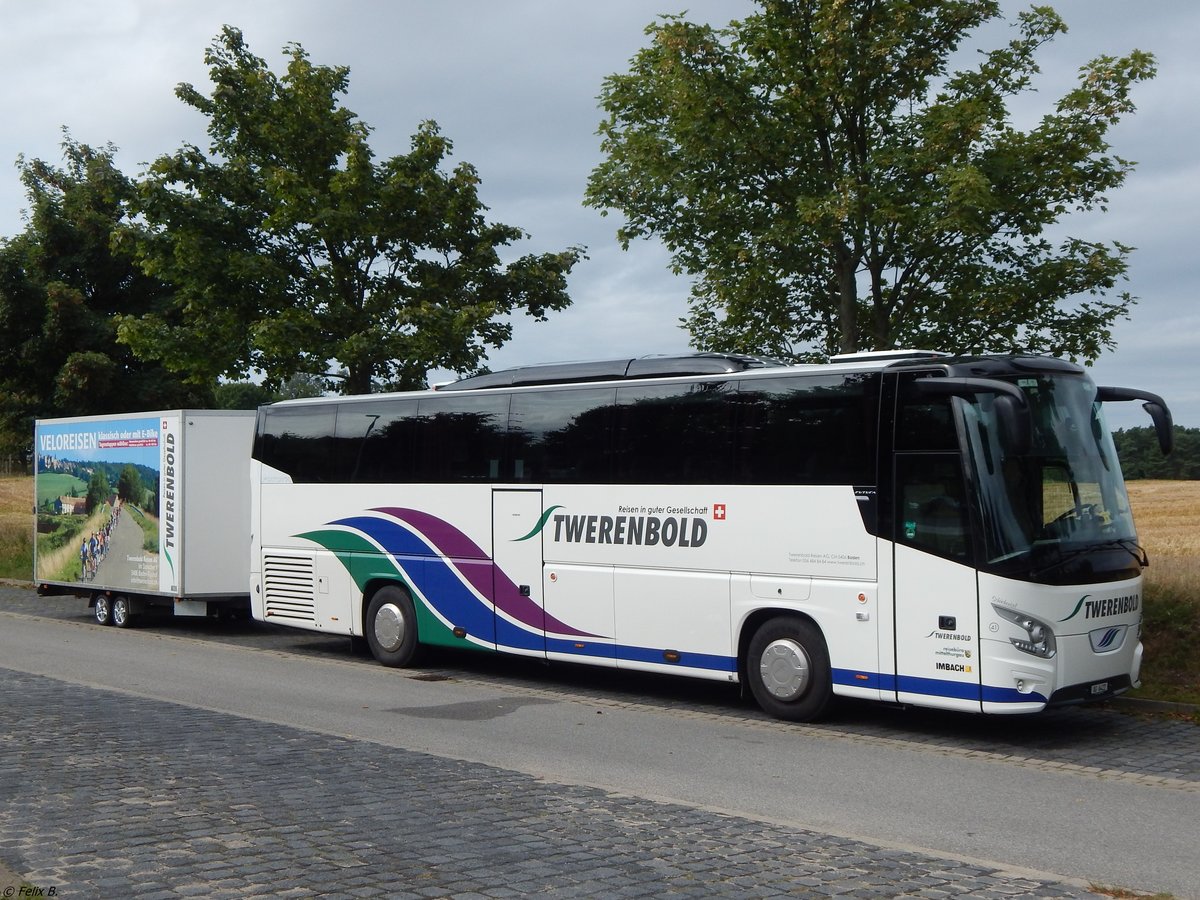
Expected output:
{"points": [[391, 627], [122, 611], [787, 665], [102, 610]]}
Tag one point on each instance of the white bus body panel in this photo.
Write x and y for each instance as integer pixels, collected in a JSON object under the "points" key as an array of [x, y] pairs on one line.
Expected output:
{"points": [[1097, 630], [643, 577]]}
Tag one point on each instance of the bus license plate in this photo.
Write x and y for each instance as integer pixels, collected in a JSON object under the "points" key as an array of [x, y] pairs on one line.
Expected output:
{"points": [[1101, 688]]}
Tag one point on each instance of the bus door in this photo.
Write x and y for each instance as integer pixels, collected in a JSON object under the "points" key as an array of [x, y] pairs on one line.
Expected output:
{"points": [[935, 584], [517, 571]]}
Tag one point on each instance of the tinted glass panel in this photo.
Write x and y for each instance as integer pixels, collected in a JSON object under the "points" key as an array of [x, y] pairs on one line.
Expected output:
{"points": [[378, 440], [818, 430], [461, 438], [561, 436], [932, 504], [674, 434], [299, 440], [923, 422]]}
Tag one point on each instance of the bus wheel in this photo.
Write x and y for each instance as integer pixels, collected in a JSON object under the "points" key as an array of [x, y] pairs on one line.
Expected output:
{"points": [[102, 609], [787, 665], [391, 627], [122, 613]]}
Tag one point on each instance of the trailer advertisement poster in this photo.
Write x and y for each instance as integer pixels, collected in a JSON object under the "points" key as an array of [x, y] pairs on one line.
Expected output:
{"points": [[106, 493]]}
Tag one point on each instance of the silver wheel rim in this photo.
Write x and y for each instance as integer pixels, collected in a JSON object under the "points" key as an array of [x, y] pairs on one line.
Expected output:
{"points": [[102, 610], [785, 669], [120, 612], [389, 627]]}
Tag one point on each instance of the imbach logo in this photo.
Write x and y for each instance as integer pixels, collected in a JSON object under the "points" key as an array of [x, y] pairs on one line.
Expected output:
{"points": [[647, 531]]}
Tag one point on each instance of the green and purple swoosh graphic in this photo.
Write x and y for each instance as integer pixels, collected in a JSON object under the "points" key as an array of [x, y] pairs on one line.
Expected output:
{"points": [[450, 572]]}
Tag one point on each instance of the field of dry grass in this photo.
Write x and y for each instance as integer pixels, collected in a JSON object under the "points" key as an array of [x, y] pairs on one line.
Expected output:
{"points": [[16, 527], [1167, 514]]}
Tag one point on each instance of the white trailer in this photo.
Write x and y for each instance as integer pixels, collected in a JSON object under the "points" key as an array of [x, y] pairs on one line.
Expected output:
{"points": [[144, 510]]}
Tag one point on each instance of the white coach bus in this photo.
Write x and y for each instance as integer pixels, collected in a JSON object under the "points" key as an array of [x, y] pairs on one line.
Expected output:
{"points": [[905, 527]]}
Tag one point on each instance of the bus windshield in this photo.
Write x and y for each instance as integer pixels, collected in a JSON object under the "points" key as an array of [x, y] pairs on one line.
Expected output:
{"points": [[1058, 513]]}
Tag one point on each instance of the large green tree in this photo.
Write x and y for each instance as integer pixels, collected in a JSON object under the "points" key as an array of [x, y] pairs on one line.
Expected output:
{"points": [[833, 186], [62, 286], [293, 251]]}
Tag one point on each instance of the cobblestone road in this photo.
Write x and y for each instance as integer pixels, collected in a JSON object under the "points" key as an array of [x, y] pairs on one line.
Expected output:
{"points": [[109, 795]]}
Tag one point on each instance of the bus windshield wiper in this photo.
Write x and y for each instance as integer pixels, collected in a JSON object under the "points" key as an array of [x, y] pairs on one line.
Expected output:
{"points": [[1132, 547]]}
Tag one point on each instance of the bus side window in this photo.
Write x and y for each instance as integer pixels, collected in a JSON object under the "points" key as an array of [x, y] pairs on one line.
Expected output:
{"points": [[376, 440], [816, 430], [299, 440], [674, 433], [461, 438], [561, 436]]}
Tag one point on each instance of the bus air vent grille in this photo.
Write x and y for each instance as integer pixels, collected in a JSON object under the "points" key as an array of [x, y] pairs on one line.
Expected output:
{"points": [[289, 588]]}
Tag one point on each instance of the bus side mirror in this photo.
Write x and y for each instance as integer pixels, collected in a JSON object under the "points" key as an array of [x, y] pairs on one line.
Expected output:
{"points": [[1155, 406], [1164, 426]]}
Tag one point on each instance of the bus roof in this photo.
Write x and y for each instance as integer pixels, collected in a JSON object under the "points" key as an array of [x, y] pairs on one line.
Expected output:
{"points": [[702, 364]]}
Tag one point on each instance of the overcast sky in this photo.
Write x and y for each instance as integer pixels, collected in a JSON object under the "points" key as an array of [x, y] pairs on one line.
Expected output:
{"points": [[514, 84]]}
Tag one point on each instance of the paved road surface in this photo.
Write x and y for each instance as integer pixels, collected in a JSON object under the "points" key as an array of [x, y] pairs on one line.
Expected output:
{"points": [[109, 785]]}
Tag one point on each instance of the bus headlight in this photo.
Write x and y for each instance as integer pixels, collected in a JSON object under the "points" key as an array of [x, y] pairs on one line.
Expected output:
{"points": [[1039, 639]]}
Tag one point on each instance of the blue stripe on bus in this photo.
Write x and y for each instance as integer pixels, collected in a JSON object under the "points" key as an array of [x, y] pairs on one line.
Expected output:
{"points": [[627, 653], [1011, 695], [873, 680], [932, 687]]}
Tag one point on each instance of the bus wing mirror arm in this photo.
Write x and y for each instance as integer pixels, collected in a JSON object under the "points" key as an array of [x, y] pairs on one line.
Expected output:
{"points": [[1012, 407], [1160, 415]]}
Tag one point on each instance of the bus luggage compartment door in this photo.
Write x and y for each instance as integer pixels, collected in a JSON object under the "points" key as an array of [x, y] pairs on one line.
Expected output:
{"points": [[517, 571]]}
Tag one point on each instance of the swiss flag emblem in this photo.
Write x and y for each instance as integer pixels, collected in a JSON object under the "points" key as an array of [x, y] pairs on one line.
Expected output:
{"points": [[719, 512]]}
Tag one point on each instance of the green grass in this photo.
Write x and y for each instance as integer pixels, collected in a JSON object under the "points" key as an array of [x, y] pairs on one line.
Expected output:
{"points": [[16, 551], [1171, 632], [56, 484], [149, 526]]}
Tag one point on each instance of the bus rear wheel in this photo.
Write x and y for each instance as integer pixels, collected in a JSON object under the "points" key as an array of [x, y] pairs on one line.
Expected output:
{"points": [[787, 665], [391, 627]]}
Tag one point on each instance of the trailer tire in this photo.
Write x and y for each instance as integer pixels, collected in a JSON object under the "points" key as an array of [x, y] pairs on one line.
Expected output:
{"points": [[122, 611], [787, 665], [102, 609], [391, 627]]}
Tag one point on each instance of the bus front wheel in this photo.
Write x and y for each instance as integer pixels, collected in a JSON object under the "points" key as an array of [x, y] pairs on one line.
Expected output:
{"points": [[787, 665], [391, 627]]}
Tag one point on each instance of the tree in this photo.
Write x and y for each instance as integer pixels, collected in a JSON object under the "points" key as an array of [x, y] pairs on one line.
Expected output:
{"points": [[1141, 457], [98, 491], [293, 251], [833, 187], [129, 485], [242, 395], [62, 285]]}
